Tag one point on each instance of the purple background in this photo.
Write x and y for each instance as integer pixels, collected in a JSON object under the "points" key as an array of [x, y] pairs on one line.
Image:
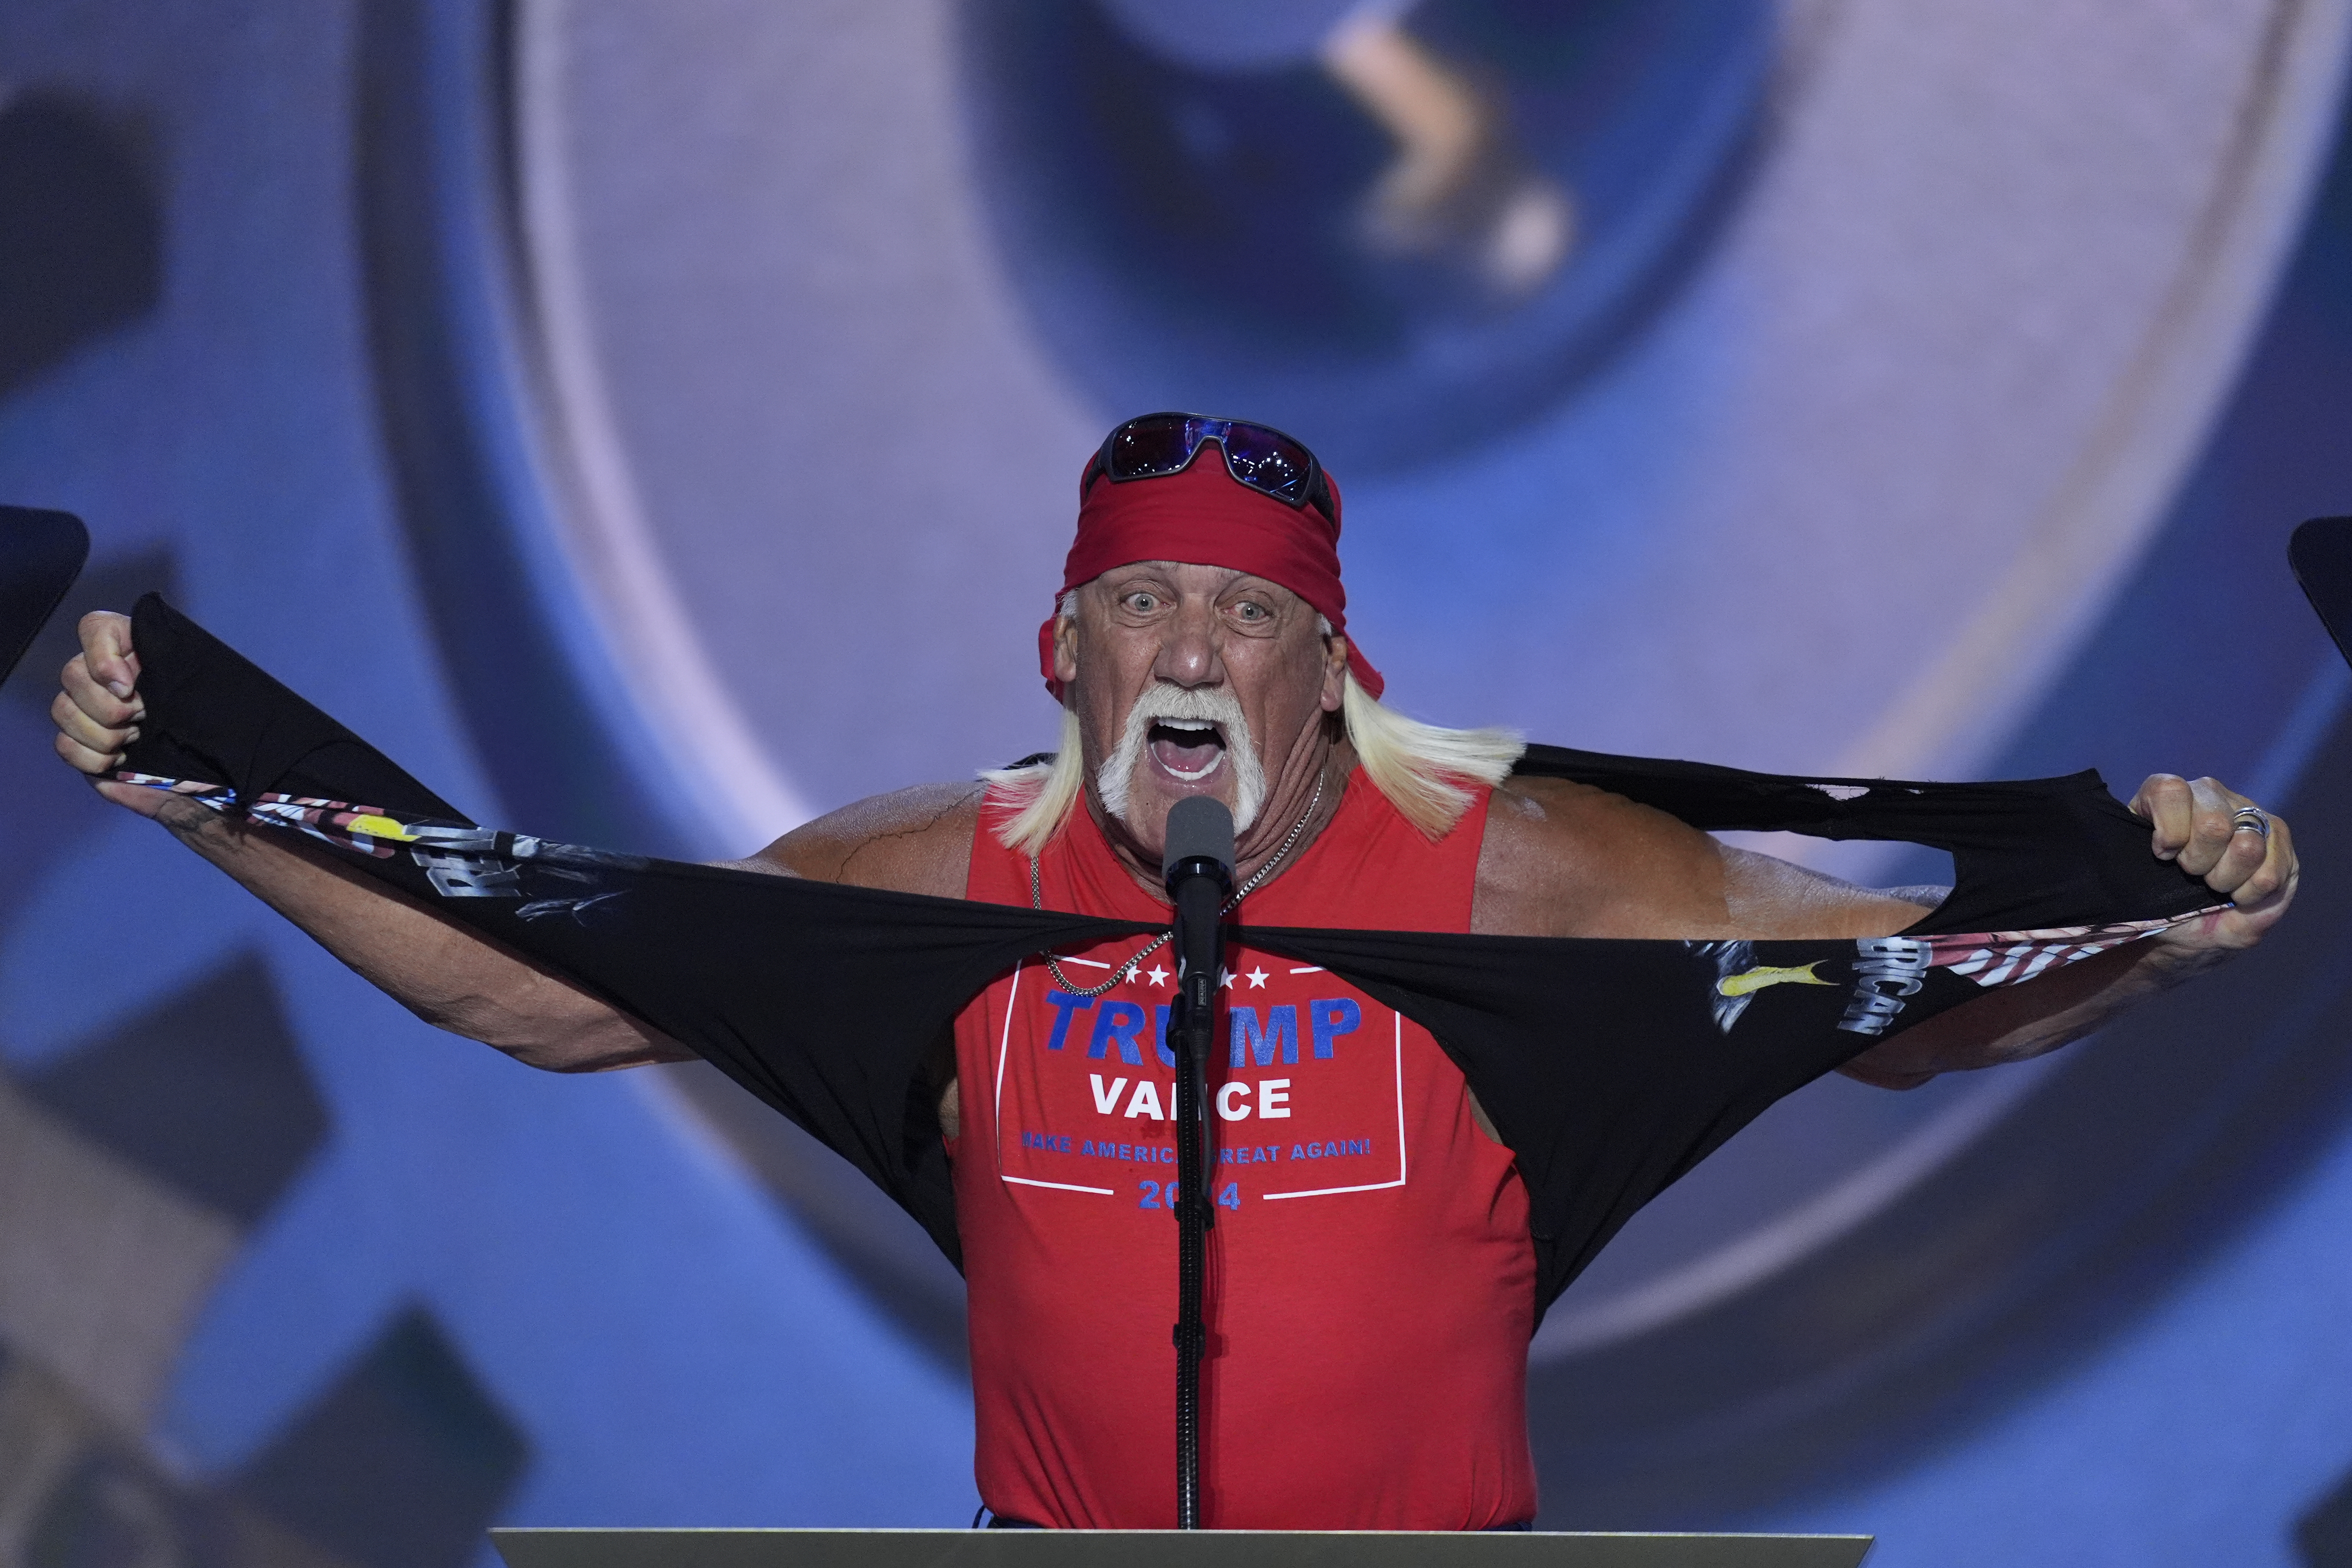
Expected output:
{"points": [[1951, 425]]}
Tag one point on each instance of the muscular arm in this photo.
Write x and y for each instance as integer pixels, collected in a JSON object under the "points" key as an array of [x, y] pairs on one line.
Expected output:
{"points": [[1565, 859], [914, 840], [447, 974], [2016, 1023], [457, 979]]}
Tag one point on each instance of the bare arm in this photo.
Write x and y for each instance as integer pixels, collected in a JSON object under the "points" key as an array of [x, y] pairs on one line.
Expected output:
{"points": [[446, 973], [914, 840], [1564, 859], [2195, 824], [2017, 1023]]}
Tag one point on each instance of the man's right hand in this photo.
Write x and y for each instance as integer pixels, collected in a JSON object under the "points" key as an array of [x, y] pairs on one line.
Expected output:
{"points": [[99, 711], [449, 975], [917, 840]]}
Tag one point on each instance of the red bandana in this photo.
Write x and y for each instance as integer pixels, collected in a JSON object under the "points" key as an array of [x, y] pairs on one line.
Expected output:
{"points": [[1203, 516]]}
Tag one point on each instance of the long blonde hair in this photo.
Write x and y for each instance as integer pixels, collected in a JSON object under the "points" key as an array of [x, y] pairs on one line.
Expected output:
{"points": [[1423, 769]]}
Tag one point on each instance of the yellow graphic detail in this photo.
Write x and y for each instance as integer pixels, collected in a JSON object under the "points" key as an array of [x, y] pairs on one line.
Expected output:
{"points": [[383, 827], [1763, 975]]}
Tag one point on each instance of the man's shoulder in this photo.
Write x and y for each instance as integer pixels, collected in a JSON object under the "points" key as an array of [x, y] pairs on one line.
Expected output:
{"points": [[1561, 817], [1563, 805], [914, 840], [1563, 859], [1568, 859]]}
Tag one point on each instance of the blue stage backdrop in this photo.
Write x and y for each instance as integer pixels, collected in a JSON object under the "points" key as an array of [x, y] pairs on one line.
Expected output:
{"points": [[656, 423]]}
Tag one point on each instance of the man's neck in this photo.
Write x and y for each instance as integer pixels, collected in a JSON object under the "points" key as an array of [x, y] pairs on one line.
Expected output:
{"points": [[1291, 802]]}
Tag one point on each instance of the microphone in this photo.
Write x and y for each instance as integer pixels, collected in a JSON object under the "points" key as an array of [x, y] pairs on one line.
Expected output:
{"points": [[1198, 865], [1200, 842]]}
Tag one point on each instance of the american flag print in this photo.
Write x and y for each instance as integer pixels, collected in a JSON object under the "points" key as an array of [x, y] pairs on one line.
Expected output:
{"points": [[2011, 957]]}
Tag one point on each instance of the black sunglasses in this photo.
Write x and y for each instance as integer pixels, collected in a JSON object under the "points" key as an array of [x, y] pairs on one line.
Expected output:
{"points": [[1153, 446]]}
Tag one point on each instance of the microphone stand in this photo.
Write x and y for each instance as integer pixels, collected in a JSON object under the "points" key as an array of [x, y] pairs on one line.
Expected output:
{"points": [[1199, 869]]}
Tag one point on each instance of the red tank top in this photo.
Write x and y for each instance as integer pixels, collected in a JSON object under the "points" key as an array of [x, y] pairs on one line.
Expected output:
{"points": [[1371, 1282]]}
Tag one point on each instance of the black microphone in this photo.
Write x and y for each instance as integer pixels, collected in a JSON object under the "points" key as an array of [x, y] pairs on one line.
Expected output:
{"points": [[1198, 863], [1200, 842]]}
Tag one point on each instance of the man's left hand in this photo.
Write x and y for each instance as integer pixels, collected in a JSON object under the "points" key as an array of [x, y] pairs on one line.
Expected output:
{"points": [[2243, 852]]}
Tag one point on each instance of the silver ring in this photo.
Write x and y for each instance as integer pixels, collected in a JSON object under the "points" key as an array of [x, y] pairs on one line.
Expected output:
{"points": [[2251, 819]]}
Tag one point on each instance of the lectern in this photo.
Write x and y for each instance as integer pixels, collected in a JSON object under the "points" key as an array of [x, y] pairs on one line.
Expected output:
{"points": [[1160, 1549]]}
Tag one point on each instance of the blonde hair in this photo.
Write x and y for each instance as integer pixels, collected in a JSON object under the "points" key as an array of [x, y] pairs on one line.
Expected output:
{"points": [[1425, 770]]}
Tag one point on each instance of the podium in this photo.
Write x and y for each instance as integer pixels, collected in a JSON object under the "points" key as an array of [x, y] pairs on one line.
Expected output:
{"points": [[1161, 1549]]}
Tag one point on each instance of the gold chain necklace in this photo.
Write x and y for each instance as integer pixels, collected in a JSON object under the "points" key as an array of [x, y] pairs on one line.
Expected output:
{"points": [[1258, 880]]}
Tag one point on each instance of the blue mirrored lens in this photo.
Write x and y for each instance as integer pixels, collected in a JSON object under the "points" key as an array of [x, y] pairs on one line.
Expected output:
{"points": [[1161, 443], [1149, 448], [1265, 460]]}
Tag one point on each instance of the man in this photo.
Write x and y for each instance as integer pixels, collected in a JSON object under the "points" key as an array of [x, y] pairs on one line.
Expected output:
{"points": [[1372, 1274]]}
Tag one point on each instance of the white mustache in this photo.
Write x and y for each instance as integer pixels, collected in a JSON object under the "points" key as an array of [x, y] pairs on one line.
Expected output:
{"points": [[1211, 705]]}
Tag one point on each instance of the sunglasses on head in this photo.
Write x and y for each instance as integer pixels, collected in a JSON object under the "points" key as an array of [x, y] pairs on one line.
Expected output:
{"points": [[1154, 445]]}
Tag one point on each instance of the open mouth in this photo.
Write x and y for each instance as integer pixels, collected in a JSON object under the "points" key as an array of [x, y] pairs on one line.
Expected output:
{"points": [[1186, 749]]}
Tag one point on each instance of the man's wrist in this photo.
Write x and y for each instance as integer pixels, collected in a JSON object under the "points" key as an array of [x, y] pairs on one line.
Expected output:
{"points": [[200, 827], [2167, 963]]}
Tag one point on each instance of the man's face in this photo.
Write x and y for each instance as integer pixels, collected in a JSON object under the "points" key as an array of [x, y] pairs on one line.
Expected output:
{"points": [[1168, 664]]}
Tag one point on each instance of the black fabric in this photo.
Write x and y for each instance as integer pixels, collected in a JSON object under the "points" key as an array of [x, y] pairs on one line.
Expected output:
{"points": [[2026, 854], [216, 717], [1603, 1064]]}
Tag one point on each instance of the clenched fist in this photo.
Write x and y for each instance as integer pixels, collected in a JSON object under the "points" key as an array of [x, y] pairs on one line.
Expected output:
{"points": [[97, 711]]}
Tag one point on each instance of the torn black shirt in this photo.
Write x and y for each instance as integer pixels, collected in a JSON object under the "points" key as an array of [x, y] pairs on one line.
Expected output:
{"points": [[1609, 1067]]}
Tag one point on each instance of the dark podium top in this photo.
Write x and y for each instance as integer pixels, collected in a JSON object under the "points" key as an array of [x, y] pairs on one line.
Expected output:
{"points": [[1160, 1549]]}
